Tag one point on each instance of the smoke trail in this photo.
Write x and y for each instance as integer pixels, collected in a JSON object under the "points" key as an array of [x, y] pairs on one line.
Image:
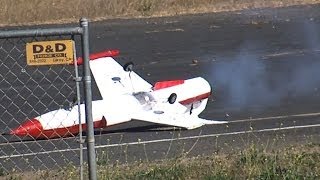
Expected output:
{"points": [[246, 79], [243, 80], [311, 35]]}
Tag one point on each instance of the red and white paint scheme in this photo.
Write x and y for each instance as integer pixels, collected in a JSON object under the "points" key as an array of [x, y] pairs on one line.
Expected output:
{"points": [[126, 96]]}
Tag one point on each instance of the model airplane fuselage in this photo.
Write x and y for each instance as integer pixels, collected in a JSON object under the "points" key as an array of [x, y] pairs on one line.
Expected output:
{"points": [[126, 96]]}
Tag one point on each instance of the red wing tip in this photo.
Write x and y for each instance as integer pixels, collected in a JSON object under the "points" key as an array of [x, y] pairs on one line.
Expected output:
{"points": [[167, 84], [106, 53]]}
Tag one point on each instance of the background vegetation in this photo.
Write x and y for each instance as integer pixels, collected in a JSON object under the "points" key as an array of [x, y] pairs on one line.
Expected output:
{"points": [[22, 12]]}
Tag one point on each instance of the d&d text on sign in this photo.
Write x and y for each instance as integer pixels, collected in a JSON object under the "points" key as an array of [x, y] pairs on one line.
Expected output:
{"points": [[50, 52]]}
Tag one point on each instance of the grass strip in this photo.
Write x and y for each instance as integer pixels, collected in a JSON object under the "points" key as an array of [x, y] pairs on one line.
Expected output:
{"points": [[295, 162], [21, 12]]}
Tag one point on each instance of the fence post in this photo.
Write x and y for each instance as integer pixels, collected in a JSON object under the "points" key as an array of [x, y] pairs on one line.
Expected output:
{"points": [[88, 100]]}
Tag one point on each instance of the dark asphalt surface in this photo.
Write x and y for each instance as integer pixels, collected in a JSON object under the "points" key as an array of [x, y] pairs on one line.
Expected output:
{"points": [[262, 65]]}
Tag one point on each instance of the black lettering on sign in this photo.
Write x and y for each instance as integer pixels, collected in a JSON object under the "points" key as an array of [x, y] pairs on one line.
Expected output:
{"points": [[49, 49], [59, 47], [37, 48], [49, 55]]}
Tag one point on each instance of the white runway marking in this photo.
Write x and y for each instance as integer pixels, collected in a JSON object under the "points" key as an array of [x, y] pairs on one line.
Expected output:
{"points": [[209, 135], [286, 53], [164, 140], [276, 117], [166, 30]]}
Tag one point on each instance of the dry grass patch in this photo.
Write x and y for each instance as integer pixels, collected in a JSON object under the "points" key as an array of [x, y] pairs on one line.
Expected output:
{"points": [[19, 12]]}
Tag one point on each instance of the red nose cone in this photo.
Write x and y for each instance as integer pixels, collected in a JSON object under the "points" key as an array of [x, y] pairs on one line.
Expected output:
{"points": [[34, 129], [29, 128]]}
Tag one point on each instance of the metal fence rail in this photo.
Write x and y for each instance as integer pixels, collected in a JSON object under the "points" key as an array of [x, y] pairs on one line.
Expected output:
{"points": [[30, 91]]}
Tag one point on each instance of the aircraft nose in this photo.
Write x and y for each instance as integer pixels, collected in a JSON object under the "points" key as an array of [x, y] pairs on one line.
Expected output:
{"points": [[30, 127]]}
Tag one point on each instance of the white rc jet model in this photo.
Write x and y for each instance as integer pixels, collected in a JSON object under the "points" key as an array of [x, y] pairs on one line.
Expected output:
{"points": [[126, 96]]}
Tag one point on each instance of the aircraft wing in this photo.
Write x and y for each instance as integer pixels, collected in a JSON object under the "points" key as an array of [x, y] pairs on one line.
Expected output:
{"points": [[169, 117], [112, 80]]}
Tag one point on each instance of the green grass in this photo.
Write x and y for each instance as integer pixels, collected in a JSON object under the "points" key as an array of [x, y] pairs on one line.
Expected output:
{"points": [[252, 163], [296, 162]]}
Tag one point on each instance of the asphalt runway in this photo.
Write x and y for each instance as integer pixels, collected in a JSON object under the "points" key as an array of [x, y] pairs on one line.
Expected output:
{"points": [[263, 67]]}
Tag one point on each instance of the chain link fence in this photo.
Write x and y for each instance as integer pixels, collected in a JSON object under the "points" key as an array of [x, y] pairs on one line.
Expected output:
{"points": [[27, 92]]}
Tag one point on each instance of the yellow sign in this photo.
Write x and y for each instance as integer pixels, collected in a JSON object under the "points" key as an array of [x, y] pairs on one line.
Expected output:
{"points": [[50, 52]]}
